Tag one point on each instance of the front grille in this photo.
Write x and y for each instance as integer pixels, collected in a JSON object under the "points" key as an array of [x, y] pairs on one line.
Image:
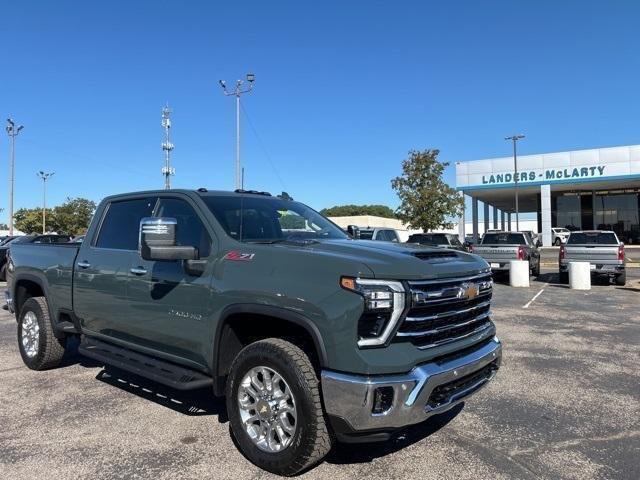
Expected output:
{"points": [[446, 310], [462, 387]]}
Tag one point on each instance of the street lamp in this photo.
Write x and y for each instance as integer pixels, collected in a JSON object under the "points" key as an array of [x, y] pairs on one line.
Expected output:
{"points": [[44, 176], [514, 139], [237, 91], [13, 132]]}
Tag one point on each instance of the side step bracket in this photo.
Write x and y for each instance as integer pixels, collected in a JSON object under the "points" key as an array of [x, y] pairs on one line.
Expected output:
{"points": [[166, 373]]}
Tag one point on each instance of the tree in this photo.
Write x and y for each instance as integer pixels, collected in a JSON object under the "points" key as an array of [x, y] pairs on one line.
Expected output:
{"points": [[354, 210], [73, 216], [427, 202], [29, 220]]}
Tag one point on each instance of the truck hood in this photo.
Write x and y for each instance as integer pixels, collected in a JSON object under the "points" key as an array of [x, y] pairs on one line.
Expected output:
{"points": [[400, 260]]}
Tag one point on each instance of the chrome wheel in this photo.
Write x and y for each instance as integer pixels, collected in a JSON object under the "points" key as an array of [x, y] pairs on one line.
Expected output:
{"points": [[30, 334], [267, 409]]}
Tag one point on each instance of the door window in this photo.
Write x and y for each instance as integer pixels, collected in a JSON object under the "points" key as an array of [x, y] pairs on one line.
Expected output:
{"points": [[190, 230], [121, 224]]}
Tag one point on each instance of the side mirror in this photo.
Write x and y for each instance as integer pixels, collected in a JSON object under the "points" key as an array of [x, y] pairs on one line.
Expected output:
{"points": [[538, 243], [157, 241], [353, 231]]}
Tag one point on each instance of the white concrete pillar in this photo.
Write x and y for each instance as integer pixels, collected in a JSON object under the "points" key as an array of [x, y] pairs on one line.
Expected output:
{"points": [[462, 220], [580, 275], [545, 205], [486, 217], [474, 218], [495, 217], [519, 273]]}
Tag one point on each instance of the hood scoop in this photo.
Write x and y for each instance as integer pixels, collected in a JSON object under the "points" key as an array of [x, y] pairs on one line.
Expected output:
{"points": [[436, 257]]}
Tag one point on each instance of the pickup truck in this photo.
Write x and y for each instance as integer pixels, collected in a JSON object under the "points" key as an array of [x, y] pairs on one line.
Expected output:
{"points": [[499, 248], [7, 244], [310, 335], [600, 248]]}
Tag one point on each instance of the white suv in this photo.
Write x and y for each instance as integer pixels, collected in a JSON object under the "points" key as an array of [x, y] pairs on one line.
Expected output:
{"points": [[559, 235]]}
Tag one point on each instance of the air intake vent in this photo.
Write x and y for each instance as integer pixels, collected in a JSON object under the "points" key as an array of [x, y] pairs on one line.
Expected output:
{"points": [[436, 256]]}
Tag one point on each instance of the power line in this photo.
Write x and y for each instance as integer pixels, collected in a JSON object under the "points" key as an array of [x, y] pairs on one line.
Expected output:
{"points": [[262, 146]]}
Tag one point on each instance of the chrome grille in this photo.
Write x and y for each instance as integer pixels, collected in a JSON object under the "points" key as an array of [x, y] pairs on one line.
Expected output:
{"points": [[447, 310]]}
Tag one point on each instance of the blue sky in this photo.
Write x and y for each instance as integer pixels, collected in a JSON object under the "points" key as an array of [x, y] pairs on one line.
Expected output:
{"points": [[343, 90]]}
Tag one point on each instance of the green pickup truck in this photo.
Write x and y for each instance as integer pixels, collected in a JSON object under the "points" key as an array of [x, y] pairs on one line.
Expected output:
{"points": [[312, 337]]}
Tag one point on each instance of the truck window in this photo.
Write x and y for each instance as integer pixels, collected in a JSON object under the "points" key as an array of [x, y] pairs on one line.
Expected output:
{"points": [[592, 238], [120, 226], [366, 234], [504, 239], [190, 230]]}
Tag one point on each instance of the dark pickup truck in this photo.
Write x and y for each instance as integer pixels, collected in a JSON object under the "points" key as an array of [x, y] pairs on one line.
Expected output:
{"points": [[310, 335]]}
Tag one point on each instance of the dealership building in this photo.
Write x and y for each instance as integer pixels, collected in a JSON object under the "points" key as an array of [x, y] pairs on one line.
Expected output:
{"points": [[578, 190]]}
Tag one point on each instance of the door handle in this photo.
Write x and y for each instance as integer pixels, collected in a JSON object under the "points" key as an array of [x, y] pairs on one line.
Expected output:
{"points": [[83, 264], [138, 271]]}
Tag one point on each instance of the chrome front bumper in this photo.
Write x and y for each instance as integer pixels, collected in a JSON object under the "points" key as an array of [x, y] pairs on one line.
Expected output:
{"points": [[351, 397]]}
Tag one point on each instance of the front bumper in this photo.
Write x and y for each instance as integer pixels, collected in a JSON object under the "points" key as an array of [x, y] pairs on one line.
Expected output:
{"points": [[599, 268], [427, 390]]}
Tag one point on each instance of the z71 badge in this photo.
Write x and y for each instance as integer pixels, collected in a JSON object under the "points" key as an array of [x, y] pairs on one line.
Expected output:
{"points": [[239, 256]]}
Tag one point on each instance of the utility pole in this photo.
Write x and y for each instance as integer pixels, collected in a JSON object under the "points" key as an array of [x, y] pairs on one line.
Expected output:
{"points": [[13, 132], [167, 147], [237, 92], [514, 139], [44, 176]]}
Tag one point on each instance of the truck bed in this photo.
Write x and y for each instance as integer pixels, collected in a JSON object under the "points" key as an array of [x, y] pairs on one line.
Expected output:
{"points": [[52, 263]]}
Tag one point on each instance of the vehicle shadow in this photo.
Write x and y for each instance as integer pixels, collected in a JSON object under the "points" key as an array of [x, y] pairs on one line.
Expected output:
{"points": [[348, 453]]}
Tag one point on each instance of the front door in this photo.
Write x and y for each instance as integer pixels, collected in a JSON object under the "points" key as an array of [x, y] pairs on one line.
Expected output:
{"points": [[103, 269], [172, 307]]}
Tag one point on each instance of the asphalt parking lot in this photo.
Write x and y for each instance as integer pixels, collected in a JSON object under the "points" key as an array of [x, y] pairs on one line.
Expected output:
{"points": [[565, 405]]}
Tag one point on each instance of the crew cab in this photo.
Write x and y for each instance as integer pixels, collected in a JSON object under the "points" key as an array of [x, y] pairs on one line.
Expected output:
{"points": [[500, 248], [312, 337], [601, 248]]}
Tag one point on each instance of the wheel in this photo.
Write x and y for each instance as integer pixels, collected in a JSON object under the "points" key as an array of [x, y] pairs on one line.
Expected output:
{"points": [[557, 242], [3, 273], [274, 406], [564, 277], [621, 279], [39, 347], [536, 270]]}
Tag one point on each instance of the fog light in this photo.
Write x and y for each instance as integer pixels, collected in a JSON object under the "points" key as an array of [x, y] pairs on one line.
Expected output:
{"points": [[382, 400]]}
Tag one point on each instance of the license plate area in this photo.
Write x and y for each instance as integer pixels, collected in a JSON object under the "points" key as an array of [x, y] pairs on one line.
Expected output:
{"points": [[495, 265]]}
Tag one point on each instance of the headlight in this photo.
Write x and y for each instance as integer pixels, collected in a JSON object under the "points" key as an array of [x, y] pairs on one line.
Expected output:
{"points": [[383, 306]]}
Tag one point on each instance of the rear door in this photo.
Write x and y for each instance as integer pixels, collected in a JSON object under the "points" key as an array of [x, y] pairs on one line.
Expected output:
{"points": [[102, 269], [169, 307]]}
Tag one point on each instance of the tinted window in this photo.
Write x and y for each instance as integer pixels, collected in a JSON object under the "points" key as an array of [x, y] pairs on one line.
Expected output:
{"points": [[504, 239], [189, 230], [592, 238], [121, 224], [366, 234], [60, 239]]}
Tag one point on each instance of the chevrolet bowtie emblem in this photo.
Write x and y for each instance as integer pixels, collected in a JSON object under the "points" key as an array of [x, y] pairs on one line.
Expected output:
{"points": [[470, 290]]}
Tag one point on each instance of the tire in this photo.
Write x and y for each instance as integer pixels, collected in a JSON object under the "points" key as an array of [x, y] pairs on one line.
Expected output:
{"points": [[39, 348], [310, 440], [557, 242], [3, 273], [536, 269], [564, 277], [621, 280]]}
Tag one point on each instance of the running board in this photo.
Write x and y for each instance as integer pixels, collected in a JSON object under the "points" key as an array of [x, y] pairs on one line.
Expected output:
{"points": [[170, 374]]}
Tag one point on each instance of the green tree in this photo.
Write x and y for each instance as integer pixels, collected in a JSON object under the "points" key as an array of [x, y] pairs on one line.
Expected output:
{"points": [[73, 216], [29, 220], [353, 210], [427, 202]]}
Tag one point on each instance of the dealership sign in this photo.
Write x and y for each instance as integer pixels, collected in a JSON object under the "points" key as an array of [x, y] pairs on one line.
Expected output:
{"points": [[547, 175]]}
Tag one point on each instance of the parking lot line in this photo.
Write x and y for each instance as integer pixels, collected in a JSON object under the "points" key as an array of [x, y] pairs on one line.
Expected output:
{"points": [[526, 305]]}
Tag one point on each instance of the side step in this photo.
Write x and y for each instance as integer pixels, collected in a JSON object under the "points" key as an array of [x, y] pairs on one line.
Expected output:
{"points": [[175, 376]]}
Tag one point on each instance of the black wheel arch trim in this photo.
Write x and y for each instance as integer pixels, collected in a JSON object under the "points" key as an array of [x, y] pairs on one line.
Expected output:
{"points": [[271, 311], [38, 281]]}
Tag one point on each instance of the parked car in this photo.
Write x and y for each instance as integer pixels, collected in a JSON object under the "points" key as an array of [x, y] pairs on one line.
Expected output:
{"points": [[443, 240], [602, 249], [384, 234], [559, 235], [500, 248], [25, 239], [310, 339]]}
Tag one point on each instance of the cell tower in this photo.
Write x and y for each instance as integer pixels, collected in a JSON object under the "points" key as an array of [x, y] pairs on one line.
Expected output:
{"points": [[167, 146]]}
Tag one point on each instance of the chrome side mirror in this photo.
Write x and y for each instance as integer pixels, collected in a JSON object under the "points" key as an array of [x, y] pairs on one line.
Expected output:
{"points": [[157, 241]]}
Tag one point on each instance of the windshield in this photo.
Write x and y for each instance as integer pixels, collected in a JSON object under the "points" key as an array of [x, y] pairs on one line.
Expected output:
{"points": [[430, 239], [504, 239], [592, 238], [256, 219]]}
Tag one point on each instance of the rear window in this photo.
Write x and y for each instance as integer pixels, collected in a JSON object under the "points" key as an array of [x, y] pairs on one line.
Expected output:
{"points": [[430, 239], [366, 234], [503, 239], [592, 238]]}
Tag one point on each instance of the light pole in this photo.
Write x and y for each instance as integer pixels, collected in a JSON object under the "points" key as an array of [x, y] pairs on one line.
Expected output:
{"points": [[13, 132], [514, 139], [237, 92], [44, 176]]}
